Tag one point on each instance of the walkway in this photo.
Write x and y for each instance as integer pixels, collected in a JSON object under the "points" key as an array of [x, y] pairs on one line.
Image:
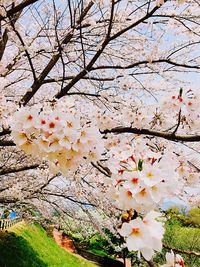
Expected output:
{"points": [[66, 243]]}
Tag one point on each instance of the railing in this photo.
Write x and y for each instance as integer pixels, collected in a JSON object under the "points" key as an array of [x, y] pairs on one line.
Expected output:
{"points": [[7, 223]]}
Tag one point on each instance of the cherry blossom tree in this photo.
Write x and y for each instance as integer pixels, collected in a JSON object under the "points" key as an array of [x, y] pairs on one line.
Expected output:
{"points": [[100, 108]]}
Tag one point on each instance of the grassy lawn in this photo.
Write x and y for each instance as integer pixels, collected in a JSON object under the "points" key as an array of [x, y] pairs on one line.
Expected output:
{"points": [[28, 246], [185, 238]]}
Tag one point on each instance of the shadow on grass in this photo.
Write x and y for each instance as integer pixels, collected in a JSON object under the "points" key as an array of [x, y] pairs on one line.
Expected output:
{"points": [[15, 251]]}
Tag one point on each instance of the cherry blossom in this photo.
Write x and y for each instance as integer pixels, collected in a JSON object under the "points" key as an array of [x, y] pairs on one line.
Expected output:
{"points": [[140, 237], [173, 260], [57, 136], [140, 179]]}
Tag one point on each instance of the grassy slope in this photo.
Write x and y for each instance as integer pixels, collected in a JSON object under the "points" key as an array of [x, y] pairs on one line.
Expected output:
{"points": [[186, 238], [29, 246]]}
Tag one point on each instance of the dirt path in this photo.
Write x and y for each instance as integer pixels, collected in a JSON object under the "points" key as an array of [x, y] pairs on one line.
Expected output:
{"points": [[64, 241]]}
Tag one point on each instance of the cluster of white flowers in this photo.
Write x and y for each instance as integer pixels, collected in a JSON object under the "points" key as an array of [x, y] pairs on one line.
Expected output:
{"points": [[140, 180], [143, 179], [61, 137], [106, 120], [188, 174], [181, 108], [144, 235], [187, 104], [173, 260]]}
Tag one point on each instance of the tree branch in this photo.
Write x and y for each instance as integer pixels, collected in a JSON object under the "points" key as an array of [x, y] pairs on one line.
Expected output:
{"points": [[18, 169], [136, 64], [165, 135], [183, 251], [18, 8], [37, 84], [106, 41], [5, 131], [6, 143], [68, 197]]}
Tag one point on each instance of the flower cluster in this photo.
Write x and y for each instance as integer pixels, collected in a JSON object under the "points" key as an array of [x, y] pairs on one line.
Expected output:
{"points": [[61, 137], [188, 174], [142, 180], [173, 260], [175, 112], [183, 107], [144, 235]]}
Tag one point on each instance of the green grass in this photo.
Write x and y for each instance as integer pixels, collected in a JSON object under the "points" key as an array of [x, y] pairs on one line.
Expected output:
{"points": [[27, 245], [185, 238]]}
